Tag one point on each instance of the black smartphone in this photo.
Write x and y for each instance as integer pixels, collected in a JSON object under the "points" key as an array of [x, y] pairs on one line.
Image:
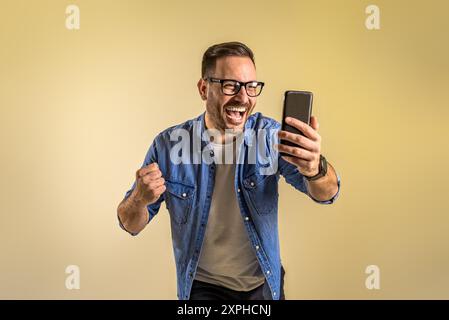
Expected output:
{"points": [[297, 104]]}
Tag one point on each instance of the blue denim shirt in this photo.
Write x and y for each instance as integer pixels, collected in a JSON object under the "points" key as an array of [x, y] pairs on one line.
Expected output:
{"points": [[189, 193]]}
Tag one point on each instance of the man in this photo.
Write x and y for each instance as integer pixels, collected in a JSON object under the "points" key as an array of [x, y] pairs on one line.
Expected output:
{"points": [[224, 217]]}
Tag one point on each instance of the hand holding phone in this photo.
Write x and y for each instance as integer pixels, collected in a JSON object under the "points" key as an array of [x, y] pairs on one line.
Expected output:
{"points": [[297, 104]]}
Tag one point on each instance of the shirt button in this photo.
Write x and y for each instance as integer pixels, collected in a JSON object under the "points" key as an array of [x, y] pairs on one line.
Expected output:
{"points": [[268, 271], [246, 218], [274, 294], [238, 190], [252, 184], [184, 195], [257, 247]]}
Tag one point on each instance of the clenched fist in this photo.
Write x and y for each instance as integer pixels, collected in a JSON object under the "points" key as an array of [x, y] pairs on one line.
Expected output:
{"points": [[150, 184]]}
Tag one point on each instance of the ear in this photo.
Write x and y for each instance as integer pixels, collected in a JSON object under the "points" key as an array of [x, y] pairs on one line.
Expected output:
{"points": [[202, 89]]}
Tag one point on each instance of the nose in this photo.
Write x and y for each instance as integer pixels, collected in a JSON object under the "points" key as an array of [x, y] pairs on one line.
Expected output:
{"points": [[242, 96]]}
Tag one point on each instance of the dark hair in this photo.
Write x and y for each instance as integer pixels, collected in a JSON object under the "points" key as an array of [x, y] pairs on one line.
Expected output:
{"points": [[223, 50]]}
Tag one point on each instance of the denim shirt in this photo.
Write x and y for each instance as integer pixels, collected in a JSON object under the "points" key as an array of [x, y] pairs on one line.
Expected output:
{"points": [[189, 189]]}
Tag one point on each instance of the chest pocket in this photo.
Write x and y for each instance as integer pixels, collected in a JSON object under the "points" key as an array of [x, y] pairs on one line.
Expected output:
{"points": [[179, 200], [262, 192]]}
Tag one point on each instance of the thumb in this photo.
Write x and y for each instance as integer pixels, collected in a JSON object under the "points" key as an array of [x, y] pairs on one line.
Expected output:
{"points": [[314, 123]]}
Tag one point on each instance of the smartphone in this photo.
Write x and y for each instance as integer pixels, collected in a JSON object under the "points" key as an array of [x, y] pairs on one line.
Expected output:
{"points": [[297, 104]]}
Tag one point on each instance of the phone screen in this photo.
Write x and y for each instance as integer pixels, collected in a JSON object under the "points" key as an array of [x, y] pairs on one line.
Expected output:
{"points": [[297, 104]]}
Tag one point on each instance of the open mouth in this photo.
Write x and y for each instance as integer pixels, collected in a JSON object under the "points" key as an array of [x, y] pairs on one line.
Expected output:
{"points": [[235, 114]]}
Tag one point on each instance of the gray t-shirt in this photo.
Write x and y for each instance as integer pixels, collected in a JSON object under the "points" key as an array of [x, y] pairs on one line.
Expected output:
{"points": [[227, 258]]}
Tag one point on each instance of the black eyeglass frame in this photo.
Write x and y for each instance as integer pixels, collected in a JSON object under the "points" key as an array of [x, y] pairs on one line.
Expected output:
{"points": [[241, 84]]}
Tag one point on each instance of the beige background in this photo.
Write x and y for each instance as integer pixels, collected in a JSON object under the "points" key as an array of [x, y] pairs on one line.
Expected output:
{"points": [[80, 108]]}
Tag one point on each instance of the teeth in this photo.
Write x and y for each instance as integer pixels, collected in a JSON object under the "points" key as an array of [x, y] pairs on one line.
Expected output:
{"points": [[239, 109]]}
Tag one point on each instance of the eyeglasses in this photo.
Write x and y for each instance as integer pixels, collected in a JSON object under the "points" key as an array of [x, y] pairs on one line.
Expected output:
{"points": [[231, 87]]}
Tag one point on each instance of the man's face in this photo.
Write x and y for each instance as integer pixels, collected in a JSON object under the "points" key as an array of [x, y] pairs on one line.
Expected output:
{"points": [[228, 112]]}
